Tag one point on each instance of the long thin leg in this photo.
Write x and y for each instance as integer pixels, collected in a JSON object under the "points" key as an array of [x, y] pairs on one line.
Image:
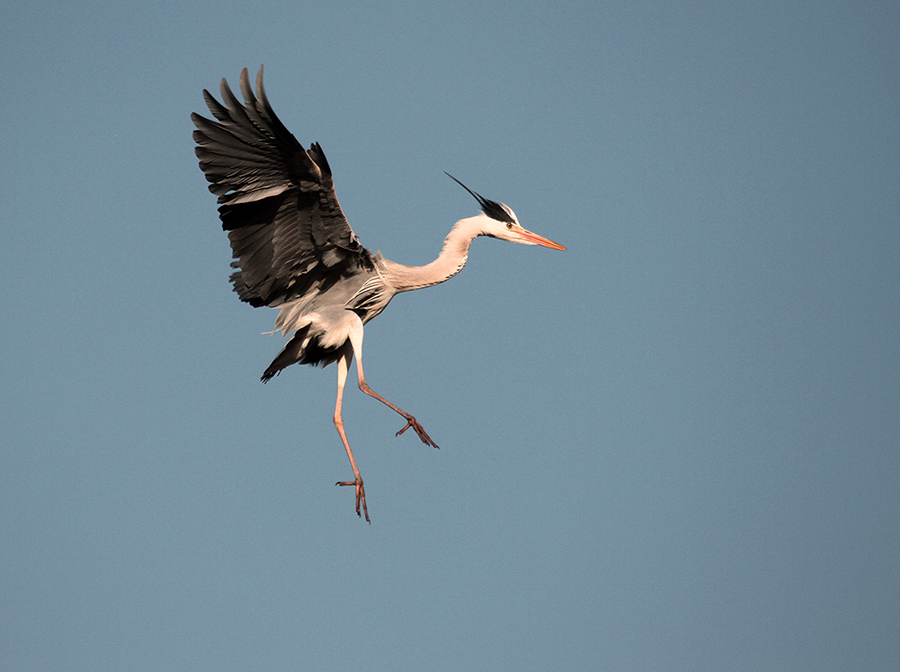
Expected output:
{"points": [[356, 342], [343, 367]]}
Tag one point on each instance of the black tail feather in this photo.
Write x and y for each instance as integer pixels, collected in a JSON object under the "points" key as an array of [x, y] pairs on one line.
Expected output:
{"points": [[295, 352]]}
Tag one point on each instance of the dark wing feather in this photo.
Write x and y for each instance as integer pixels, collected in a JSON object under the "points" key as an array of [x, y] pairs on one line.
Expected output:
{"points": [[287, 230]]}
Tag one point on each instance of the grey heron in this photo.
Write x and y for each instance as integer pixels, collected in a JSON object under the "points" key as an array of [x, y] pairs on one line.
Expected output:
{"points": [[294, 250]]}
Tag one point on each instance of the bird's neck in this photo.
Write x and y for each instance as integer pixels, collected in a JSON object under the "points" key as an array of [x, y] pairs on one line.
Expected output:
{"points": [[450, 261]]}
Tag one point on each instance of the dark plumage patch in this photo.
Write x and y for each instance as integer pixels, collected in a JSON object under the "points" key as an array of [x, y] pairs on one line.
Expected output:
{"points": [[491, 208], [288, 233], [294, 353]]}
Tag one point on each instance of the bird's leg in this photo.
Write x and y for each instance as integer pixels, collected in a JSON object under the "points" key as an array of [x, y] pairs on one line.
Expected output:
{"points": [[343, 367], [410, 420], [356, 341]]}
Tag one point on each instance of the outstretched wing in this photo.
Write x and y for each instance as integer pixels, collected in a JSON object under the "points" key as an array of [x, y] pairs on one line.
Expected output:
{"points": [[287, 231]]}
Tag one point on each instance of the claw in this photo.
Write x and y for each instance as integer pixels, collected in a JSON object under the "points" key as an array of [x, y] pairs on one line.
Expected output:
{"points": [[360, 497], [412, 422]]}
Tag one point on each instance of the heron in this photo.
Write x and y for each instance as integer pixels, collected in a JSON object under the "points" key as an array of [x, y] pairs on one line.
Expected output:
{"points": [[294, 250]]}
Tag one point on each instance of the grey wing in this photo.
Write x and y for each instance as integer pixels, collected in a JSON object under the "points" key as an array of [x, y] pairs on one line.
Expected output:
{"points": [[288, 233]]}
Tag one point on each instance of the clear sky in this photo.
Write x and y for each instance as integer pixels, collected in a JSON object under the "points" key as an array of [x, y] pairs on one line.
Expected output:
{"points": [[674, 447]]}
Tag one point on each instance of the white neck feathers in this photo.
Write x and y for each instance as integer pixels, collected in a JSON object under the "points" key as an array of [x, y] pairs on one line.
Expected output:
{"points": [[450, 261]]}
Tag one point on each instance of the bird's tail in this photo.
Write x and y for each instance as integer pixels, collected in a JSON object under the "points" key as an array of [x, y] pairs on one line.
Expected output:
{"points": [[303, 348]]}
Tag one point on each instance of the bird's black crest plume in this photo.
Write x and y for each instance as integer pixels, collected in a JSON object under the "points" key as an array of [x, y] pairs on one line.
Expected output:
{"points": [[491, 208]]}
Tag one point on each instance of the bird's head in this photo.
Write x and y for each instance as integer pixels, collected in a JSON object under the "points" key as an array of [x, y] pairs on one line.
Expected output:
{"points": [[501, 222]]}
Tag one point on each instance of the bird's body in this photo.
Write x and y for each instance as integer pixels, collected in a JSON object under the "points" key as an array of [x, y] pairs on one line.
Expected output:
{"points": [[321, 318], [295, 251]]}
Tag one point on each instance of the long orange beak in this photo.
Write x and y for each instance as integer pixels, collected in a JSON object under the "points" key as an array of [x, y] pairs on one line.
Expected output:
{"points": [[540, 240]]}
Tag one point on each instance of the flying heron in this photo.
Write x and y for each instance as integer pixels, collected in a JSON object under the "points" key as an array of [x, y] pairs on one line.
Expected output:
{"points": [[294, 250]]}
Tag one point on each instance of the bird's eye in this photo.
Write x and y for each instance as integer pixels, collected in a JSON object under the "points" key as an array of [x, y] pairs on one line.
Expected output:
{"points": [[509, 225]]}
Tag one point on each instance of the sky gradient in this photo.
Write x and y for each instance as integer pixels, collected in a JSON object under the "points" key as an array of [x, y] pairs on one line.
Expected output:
{"points": [[675, 446]]}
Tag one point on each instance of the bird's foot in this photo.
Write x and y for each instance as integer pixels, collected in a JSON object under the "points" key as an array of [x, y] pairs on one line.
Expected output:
{"points": [[360, 497], [412, 422]]}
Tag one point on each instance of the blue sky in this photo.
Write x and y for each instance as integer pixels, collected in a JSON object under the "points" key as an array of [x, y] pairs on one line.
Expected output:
{"points": [[672, 447]]}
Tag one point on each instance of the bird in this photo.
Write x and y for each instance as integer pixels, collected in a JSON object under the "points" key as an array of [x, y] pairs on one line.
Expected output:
{"points": [[293, 248]]}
